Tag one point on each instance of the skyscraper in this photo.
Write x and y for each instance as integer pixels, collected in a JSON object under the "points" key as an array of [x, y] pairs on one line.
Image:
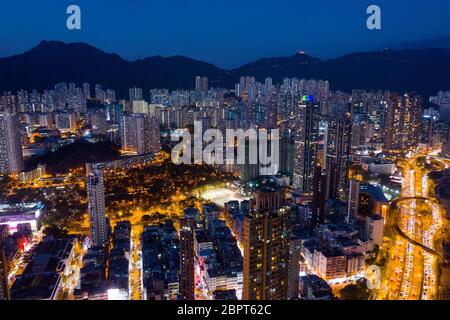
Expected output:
{"points": [[319, 196], [249, 171], [87, 90], [402, 122], [99, 93], [11, 157], [135, 94], [98, 122], [287, 148], [294, 268], [266, 239], [4, 288], [140, 133], [96, 205], [187, 257], [353, 199], [338, 150], [307, 117], [110, 95], [201, 83], [429, 127]]}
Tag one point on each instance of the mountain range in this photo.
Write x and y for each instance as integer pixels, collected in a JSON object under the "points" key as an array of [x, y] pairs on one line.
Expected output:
{"points": [[422, 70]]}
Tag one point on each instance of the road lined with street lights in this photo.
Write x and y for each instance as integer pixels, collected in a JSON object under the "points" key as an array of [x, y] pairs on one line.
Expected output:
{"points": [[135, 267], [411, 270]]}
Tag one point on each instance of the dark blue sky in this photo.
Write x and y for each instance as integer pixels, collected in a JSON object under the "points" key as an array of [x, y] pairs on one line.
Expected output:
{"points": [[227, 33]]}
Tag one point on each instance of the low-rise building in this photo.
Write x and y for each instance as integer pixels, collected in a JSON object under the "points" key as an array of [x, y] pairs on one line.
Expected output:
{"points": [[312, 287], [330, 263], [17, 214], [42, 277]]}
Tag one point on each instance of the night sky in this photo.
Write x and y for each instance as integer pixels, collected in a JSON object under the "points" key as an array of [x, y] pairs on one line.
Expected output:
{"points": [[227, 33]]}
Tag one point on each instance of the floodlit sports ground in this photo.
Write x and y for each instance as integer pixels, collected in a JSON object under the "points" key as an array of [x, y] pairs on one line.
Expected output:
{"points": [[220, 196]]}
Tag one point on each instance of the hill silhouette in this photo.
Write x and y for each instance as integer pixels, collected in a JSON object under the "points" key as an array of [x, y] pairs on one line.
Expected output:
{"points": [[422, 70]]}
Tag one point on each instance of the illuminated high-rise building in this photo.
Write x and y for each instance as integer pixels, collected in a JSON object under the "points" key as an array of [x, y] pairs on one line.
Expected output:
{"points": [[402, 122], [4, 288], [287, 148], [99, 93], [353, 199], [187, 282], [294, 268], [286, 104], [249, 170], [307, 118], [429, 127], [135, 94], [87, 90], [266, 238], [98, 122], [338, 150], [201, 83], [110, 95], [96, 205], [319, 196], [140, 133], [11, 157]]}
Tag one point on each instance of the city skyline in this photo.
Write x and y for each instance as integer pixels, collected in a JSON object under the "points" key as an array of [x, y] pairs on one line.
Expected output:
{"points": [[54, 62], [224, 230], [289, 178]]}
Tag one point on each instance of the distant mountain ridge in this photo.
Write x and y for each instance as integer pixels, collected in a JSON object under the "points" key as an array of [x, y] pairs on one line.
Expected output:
{"points": [[422, 70]]}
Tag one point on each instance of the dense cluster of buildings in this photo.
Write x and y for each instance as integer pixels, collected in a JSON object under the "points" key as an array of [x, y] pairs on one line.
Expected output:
{"points": [[119, 261], [317, 126], [336, 156], [161, 262], [92, 280], [218, 253]]}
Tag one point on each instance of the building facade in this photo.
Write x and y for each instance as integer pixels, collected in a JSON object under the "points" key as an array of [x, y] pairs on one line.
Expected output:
{"points": [[266, 239], [187, 283], [306, 136], [11, 156], [96, 205]]}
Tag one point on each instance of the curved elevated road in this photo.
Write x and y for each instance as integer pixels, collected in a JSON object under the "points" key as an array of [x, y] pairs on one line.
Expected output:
{"points": [[401, 233]]}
